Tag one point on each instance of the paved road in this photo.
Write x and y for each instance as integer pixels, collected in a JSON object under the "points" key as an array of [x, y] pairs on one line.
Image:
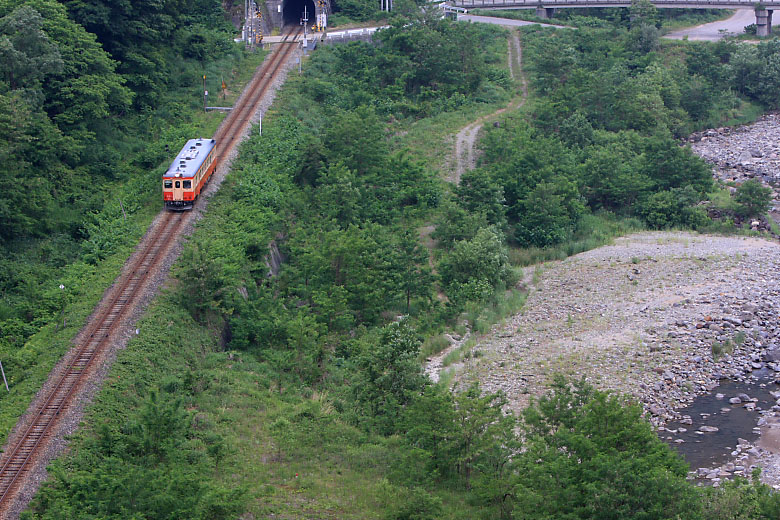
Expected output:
{"points": [[502, 21], [717, 30]]}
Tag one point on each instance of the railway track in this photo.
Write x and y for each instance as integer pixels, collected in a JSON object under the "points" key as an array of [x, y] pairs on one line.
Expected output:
{"points": [[120, 303], [229, 134], [99, 333]]}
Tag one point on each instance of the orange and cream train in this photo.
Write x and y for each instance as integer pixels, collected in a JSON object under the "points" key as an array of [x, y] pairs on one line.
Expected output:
{"points": [[188, 174]]}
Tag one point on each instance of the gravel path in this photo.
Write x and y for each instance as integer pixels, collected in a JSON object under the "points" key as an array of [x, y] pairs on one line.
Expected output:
{"points": [[465, 140]]}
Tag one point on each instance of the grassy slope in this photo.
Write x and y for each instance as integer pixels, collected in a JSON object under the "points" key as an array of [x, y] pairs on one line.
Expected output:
{"points": [[288, 449]]}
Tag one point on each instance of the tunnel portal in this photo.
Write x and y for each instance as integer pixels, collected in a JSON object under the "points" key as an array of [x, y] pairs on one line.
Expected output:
{"points": [[292, 12]]}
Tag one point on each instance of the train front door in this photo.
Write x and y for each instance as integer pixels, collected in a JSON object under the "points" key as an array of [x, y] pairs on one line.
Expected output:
{"points": [[177, 190]]}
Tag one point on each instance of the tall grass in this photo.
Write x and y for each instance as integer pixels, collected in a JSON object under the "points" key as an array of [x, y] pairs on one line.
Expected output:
{"points": [[433, 345], [592, 231], [505, 304], [458, 354]]}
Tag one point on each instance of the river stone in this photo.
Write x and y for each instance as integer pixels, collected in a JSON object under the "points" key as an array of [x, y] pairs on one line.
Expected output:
{"points": [[735, 400], [708, 429]]}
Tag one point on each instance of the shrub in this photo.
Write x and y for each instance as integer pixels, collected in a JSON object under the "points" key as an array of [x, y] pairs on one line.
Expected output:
{"points": [[752, 199]]}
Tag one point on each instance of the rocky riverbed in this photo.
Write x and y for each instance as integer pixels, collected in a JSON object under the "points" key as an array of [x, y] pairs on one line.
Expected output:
{"points": [[663, 317], [660, 316], [744, 152]]}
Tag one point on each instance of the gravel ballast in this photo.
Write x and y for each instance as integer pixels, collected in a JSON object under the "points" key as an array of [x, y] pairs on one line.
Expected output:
{"points": [[70, 420]]}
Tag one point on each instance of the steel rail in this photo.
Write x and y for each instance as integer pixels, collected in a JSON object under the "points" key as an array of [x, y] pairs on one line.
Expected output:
{"points": [[18, 459], [238, 119], [695, 4], [101, 328]]}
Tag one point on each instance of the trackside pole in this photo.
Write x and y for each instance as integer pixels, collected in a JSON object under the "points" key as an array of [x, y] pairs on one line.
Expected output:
{"points": [[4, 380]]}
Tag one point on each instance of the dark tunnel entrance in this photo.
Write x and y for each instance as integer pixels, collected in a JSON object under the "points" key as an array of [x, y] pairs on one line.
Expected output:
{"points": [[292, 12]]}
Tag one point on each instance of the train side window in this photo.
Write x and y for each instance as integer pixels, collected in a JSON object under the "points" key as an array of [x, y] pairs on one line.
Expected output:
{"points": [[187, 185], [168, 185], [178, 184]]}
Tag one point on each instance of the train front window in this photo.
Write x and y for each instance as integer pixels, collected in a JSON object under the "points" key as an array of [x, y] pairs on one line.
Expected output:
{"points": [[178, 184], [187, 185], [168, 185]]}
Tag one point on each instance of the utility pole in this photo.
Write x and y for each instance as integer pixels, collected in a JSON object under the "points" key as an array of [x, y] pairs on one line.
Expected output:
{"points": [[62, 291], [205, 92], [4, 379], [305, 23]]}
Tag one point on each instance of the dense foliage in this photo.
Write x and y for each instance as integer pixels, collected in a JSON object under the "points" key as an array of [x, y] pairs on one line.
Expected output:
{"points": [[84, 129], [608, 112], [342, 209], [295, 390]]}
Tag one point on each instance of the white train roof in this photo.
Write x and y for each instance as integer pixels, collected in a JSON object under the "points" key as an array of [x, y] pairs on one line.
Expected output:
{"points": [[190, 158]]}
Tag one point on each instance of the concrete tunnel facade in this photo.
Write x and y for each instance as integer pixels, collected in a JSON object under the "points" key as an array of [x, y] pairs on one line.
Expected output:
{"points": [[283, 13]]}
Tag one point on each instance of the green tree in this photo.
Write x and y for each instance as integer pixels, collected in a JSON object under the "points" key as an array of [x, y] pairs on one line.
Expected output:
{"points": [[741, 499], [429, 424], [482, 428], [478, 193], [576, 130], [26, 51], [753, 199], [613, 176], [26, 202], [591, 455], [675, 207], [454, 224], [205, 282], [482, 260], [643, 12], [338, 196], [357, 139], [414, 274], [87, 89], [389, 377], [548, 214], [669, 165]]}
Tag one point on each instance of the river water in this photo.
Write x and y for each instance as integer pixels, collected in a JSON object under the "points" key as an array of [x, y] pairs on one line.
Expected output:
{"points": [[734, 421]]}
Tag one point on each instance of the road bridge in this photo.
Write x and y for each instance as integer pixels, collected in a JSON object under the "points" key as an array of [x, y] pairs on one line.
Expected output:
{"points": [[546, 8]]}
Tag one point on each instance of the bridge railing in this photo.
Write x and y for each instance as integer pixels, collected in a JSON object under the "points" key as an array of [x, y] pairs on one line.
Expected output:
{"points": [[700, 4]]}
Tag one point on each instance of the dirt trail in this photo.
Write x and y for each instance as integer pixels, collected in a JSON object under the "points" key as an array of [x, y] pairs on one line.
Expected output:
{"points": [[465, 140]]}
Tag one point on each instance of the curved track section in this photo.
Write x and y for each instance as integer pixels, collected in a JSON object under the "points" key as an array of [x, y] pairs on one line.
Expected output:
{"points": [[122, 301]]}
